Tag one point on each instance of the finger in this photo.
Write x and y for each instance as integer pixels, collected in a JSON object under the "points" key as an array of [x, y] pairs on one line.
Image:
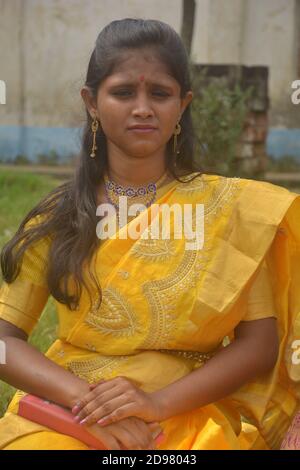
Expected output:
{"points": [[132, 437], [108, 412], [155, 428], [157, 433], [80, 404], [94, 385], [98, 401], [126, 411], [145, 431], [90, 396], [112, 443], [132, 381], [107, 439]]}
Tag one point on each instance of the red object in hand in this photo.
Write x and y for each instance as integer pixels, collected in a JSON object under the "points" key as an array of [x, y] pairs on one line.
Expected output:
{"points": [[57, 418], [61, 420]]}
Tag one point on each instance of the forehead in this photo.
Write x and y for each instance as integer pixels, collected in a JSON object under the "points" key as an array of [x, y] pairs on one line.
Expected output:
{"points": [[134, 64]]}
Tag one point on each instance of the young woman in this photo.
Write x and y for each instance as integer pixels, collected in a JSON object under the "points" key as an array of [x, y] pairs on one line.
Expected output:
{"points": [[198, 339]]}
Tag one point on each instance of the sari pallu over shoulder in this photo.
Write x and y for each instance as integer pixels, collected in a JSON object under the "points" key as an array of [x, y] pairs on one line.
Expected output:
{"points": [[270, 403]]}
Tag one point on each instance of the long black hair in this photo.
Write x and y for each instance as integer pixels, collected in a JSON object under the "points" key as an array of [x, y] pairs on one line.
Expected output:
{"points": [[68, 212]]}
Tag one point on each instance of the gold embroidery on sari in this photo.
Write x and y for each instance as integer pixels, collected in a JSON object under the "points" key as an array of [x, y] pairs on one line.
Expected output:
{"points": [[153, 249], [92, 370], [124, 274], [115, 315], [221, 198], [162, 249], [163, 294], [197, 184], [194, 355]]}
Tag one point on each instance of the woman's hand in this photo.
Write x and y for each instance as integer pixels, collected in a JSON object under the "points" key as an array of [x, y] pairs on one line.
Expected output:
{"points": [[130, 433], [113, 400]]}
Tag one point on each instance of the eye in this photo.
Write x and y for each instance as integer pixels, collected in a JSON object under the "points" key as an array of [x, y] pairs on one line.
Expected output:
{"points": [[161, 93], [125, 93], [121, 92]]}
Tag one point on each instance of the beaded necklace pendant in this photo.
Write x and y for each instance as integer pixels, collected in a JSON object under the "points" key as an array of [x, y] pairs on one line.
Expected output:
{"points": [[144, 194]]}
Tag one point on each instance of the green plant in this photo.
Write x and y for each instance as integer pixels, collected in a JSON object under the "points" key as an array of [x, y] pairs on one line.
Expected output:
{"points": [[52, 158], [22, 160], [284, 164], [219, 114]]}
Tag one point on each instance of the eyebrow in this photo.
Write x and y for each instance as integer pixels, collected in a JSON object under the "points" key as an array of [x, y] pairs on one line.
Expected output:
{"points": [[133, 83]]}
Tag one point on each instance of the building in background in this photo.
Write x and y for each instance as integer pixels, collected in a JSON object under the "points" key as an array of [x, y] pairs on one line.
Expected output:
{"points": [[45, 46]]}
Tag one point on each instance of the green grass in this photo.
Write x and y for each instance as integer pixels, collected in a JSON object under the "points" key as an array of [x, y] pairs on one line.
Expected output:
{"points": [[20, 192]]}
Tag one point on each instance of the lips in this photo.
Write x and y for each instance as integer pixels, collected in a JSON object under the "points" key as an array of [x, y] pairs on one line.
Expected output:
{"points": [[143, 130], [142, 127]]}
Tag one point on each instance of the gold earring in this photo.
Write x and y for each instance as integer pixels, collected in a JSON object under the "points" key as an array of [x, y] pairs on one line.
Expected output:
{"points": [[176, 133], [95, 125]]}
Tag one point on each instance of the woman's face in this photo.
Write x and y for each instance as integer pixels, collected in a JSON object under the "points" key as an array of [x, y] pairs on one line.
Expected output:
{"points": [[140, 90]]}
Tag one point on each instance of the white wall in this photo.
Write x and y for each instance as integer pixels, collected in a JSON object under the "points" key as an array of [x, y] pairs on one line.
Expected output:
{"points": [[45, 46], [251, 32]]}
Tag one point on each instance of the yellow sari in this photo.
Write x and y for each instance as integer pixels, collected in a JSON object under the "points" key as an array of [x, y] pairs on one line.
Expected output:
{"points": [[167, 309]]}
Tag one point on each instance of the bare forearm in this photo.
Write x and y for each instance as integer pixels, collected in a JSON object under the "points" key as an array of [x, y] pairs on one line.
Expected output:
{"points": [[222, 375], [28, 369]]}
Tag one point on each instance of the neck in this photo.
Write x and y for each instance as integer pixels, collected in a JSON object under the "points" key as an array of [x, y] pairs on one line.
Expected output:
{"points": [[135, 181], [135, 172]]}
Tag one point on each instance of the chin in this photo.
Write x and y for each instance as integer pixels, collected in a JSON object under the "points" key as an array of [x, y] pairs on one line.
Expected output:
{"points": [[142, 151]]}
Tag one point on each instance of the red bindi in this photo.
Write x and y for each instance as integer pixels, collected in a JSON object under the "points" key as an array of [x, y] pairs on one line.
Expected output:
{"points": [[142, 78]]}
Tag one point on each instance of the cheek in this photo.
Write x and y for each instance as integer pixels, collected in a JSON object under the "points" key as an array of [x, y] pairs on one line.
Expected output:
{"points": [[168, 126], [113, 123], [110, 115], [112, 111], [169, 116]]}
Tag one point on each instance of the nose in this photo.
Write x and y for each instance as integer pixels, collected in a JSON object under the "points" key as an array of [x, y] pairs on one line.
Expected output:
{"points": [[142, 106]]}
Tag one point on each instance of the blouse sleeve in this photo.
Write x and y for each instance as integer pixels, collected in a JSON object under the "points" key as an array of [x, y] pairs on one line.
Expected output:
{"points": [[23, 300], [260, 303]]}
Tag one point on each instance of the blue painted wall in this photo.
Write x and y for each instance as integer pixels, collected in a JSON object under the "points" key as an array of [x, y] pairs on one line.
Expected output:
{"points": [[281, 142], [32, 141]]}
